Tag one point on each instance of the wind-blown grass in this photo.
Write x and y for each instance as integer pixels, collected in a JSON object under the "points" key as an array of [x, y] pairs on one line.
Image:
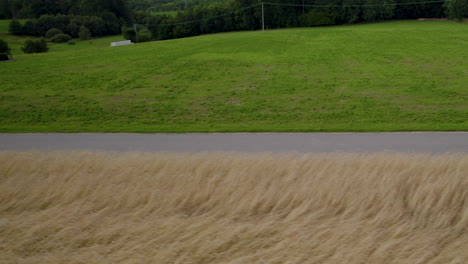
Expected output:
{"points": [[233, 208]]}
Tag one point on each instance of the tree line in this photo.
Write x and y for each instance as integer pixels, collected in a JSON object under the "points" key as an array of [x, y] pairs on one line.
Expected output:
{"points": [[100, 17], [218, 16], [17, 9], [166, 5], [108, 17]]}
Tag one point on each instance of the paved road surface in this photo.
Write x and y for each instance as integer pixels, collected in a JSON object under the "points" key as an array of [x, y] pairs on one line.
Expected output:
{"points": [[435, 142]]}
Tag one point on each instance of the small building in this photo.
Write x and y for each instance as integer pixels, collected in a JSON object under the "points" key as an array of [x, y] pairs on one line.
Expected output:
{"points": [[121, 43]]}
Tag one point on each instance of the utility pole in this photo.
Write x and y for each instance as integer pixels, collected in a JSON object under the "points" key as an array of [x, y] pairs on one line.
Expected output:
{"points": [[135, 28], [263, 19]]}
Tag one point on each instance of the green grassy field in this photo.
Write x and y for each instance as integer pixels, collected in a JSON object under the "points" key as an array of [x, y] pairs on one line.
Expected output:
{"points": [[393, 76]]}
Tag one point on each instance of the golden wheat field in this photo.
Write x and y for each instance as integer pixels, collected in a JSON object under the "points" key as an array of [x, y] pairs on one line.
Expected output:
{"points": [[91, 207]]}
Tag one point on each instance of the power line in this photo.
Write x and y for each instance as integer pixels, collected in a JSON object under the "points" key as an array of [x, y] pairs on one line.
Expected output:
{"points": [[204, 19], [363, 5], [298, 5]]}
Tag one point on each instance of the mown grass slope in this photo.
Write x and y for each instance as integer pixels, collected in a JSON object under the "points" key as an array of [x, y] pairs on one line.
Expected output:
{"points": [[408, 75], [233, 208]]}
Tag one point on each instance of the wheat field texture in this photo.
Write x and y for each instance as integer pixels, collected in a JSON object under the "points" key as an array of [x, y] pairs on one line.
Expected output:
{"points": [[236, 208]]}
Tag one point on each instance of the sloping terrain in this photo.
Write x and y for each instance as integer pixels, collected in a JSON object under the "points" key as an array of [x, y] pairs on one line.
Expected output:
{"points": [[408, 75]]}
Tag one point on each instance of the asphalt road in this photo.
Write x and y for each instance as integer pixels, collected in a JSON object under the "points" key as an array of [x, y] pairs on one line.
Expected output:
{"points": [[433, 142]]}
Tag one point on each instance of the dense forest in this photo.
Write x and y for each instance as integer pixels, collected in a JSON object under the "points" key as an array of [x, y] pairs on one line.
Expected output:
{"points": [[167, 5], [106, 17], [219, 16], [36, 8]]}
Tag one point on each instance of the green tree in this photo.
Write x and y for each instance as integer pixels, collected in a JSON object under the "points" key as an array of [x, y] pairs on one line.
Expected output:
{"points": [[143, 35], [381, 11], [60, 38], [4, 10], [4, 47], [456, 9], [29, 28], [84, 34], [112, 23], [15, 27], [99, 7], [35, 46], [128, 33], [52, 32], [15, 7]]}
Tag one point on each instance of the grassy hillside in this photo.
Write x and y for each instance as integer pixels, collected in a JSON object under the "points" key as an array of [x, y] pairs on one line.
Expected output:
{"points": [[391, 76], [233, 208]]}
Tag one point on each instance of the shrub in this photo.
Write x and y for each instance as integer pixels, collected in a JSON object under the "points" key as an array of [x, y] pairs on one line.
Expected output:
{"points": [[53, 32], [15, 28], [128, 33], [112, 23], [144, 35], [316, 18], [35, 46], [29, 28], [71, 42], [46, 22], [60, 38], [4, 57], [94, 24], [84, 34], [456, 9], [4, 48]]}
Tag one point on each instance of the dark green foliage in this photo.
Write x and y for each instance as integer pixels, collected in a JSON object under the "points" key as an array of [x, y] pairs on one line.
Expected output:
{"points": [[84, 33], [412, 11], [4, 57], [70, 25], [99, 7], [71, 43], [38, 8], [111, 23], [52, 32], [95, 24], [143, 35], [4, 47], [46, 22], [15, 28], [213, 16], [29, 29], [456, 9], [101, 17], [128, 33], [4, 50], [316, 18], [374, 13], [35, 46], [60, 38], [4, 10]]}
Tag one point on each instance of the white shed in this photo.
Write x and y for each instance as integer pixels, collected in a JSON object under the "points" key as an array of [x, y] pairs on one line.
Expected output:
{"points": [[121, 43]]}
